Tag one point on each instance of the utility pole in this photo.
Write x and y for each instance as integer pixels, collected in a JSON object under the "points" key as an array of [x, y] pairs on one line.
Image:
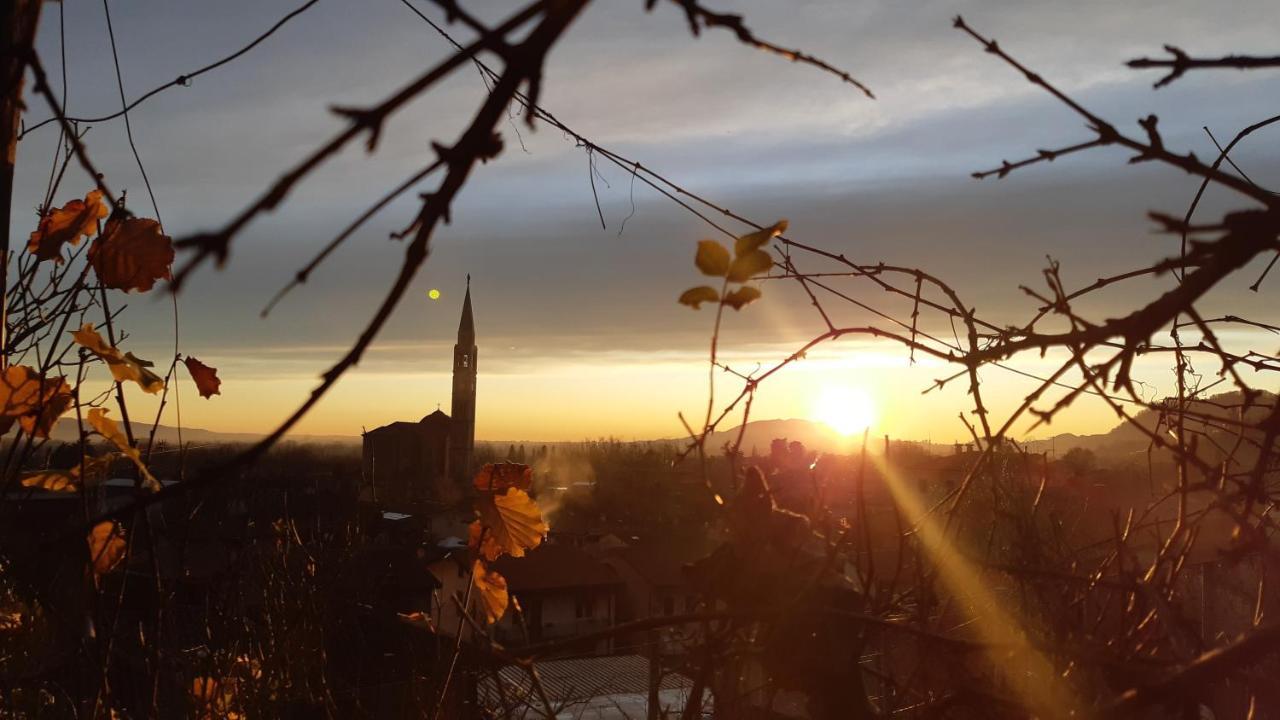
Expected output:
{"points": [[17, 37]]}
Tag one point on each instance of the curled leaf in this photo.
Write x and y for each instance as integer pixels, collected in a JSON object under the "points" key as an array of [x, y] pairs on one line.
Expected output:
{"points": [[67, 224], [33, 401], [108, 429], [513, 520], [743, 295], [53, 480], [106, 548], [712, 258], [123, 366], [131, 254], [497, 477], [748, 266], [205, 377], [755, 240], [694, 297], [490, 592]]}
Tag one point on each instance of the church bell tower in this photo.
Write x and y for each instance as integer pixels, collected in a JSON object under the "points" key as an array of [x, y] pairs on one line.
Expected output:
{"points": [[462, 438]]}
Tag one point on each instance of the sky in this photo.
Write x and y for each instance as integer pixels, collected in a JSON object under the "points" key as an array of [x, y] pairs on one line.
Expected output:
{"points": [[578, 329]]}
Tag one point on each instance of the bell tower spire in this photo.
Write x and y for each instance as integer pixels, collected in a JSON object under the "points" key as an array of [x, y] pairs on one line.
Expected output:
{"points": [[462, 434]]}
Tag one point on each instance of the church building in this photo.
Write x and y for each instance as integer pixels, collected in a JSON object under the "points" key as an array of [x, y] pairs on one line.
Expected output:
{"points": [[422, 465]]}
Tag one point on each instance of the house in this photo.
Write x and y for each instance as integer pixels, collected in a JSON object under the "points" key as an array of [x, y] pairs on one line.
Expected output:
{"points": [[616, 687], [562, 592]]}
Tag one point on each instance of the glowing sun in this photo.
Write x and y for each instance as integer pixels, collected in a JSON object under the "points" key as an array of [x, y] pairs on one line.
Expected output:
{"points": [[846, 410]]}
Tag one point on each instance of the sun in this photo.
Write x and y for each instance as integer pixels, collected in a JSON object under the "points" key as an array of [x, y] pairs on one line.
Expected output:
{"points": [[846, 410]]}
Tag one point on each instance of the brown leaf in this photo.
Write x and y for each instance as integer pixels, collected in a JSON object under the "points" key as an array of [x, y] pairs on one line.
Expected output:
{"points": [[497, 477], [712, 258], [67, 224], [106, 548], [123, 366], [108, 429], [743, 295], [53, 480], [694, 297], [748, 266], [205, 377], [34, 402], [131, 254], [513, 519], [481, 543], [755, 240], [490, 592]]}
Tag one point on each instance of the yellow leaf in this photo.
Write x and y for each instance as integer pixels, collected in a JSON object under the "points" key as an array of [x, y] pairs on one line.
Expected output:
{"points": [[748, 266], [67, 224], [108, 429], [712, 258], [33, 401], [743, 295], [106, 548], [490, 592], [123, 366], [513, 520], [131, 254], [694, 297], [754, 241]]}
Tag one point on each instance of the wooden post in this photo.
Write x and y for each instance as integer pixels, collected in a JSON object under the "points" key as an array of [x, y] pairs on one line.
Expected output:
{"points": [[17, 36]]}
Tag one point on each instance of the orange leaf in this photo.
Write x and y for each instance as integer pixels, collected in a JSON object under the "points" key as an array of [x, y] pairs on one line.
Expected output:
{"points": [[490, 592], [205, 377], [67, 224], [34, 402], [748, 266], [131, 254], [482, 543], [513, 519], [123, 366], [497, 477], [106, 548]]}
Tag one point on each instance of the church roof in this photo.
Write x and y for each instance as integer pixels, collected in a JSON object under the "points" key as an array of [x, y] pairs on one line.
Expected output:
{"points": [[435, 417]]}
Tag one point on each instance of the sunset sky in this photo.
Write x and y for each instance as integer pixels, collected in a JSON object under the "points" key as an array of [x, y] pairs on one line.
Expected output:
{"points": [[578, 328]]}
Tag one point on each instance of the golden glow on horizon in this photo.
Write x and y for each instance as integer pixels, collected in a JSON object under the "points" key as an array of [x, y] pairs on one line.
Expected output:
{"points": [[847, 410]]}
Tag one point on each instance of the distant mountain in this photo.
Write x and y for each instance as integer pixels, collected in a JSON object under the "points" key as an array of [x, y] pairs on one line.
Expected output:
{"points": [[65, 431]]}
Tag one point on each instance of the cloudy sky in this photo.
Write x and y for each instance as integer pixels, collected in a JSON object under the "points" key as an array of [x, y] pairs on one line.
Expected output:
{"points": [[578, 329]]}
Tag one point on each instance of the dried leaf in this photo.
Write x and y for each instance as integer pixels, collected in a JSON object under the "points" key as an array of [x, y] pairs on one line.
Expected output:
{"points": [[743, 295], [490, 592], [497, 477], [123, 366], [748, 266], [755, 240], [694, 297], [131, 254], [481, 543], [513, 520], [53, 480], [67, 224], [33, 401], [106, 548], [108, 429], [205, 377], [712, 258]]}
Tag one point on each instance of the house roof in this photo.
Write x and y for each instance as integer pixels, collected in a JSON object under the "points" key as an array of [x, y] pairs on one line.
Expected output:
{"points": [[660, 563], [581, 679], [551, 567]]}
